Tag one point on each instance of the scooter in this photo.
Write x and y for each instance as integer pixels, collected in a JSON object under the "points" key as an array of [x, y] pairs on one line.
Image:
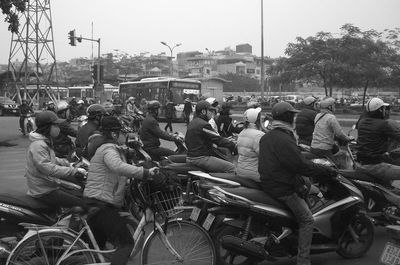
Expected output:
{"points": [[249, 226], [30, 122]]}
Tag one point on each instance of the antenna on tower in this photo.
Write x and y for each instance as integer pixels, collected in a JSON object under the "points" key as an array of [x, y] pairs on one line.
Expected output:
{"points": [[32, 59]]}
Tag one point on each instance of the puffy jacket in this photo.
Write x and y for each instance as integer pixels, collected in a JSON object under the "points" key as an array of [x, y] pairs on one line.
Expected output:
{"points": [[200, 136], [305, 124], [41, 163], [280, 160], [83, 134], [374, 138], [326, 129], [65, 130], [225, 126], [150, 133], [108, 172], [248, 149]]}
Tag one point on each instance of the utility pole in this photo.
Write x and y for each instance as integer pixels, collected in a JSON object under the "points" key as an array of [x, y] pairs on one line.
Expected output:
{"points": [[262, 51], [171, 50]]}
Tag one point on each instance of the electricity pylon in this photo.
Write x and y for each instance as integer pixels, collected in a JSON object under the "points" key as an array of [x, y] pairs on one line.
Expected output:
{"points": [[32, 77]]}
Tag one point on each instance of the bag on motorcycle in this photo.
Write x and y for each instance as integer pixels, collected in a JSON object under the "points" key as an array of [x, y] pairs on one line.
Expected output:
{"points": [[302, 186]]}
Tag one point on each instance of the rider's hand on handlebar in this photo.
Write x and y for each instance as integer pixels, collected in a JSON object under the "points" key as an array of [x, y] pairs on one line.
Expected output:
{"points": [[154, 171], [81, 171]]}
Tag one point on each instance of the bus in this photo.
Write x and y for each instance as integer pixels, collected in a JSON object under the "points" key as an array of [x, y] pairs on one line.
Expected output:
{"points": [[80, 91], [162, 89]]}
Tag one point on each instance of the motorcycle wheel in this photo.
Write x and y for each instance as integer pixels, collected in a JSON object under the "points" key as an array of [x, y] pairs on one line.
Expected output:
{"points": [[225, 257], [357, 238], [29, 127], [49, 247]]}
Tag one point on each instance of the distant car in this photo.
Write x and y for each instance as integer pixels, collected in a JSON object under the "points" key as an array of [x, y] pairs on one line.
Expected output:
{"points": [[7, 106]]}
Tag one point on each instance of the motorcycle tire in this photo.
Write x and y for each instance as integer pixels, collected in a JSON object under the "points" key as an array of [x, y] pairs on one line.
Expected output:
{"points": [[29, 127], [357, 238], [225, 257]]}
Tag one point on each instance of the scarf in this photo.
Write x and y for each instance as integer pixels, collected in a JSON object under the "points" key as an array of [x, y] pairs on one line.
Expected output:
{"points": [[276, 124]]}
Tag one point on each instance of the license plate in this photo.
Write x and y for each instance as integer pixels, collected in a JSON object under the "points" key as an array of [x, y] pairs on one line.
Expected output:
{"points": [[391, 254], [195, 214], [209, 221]]}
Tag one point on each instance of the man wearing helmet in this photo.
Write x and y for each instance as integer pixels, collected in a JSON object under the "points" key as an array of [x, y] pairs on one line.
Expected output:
{"points": [[131, 108], [224, 121], [199, 139], [280, 165], [248, 145], [214, 110], [95, 113], [51, 106], [150, 133], [326, 129], [24, 110], [375, 132], [305, 120], [106, 186]]}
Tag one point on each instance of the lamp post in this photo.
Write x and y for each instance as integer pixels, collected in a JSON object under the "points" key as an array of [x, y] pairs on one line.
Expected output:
{"points": [[171, 50], [262, 51]]}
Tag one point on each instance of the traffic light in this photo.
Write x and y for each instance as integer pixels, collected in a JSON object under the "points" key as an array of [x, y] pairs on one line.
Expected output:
{"points": [[71, 37], [94, 72]]}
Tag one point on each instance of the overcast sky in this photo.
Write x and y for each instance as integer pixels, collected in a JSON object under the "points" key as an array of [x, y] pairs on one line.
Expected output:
{"points": [[135, 26]]}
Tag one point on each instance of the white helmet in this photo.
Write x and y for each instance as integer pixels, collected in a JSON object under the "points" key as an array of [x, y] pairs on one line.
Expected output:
{"points": [[80, 101], [374, 104], [62, 105], [251, 115], [327, 102], [309, 100], [212, 101]]}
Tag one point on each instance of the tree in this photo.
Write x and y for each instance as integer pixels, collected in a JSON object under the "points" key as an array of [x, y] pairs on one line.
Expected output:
{"points": [[10, 8], [240, 83]]}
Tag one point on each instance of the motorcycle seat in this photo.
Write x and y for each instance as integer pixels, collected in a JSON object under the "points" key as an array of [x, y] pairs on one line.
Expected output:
{"points": [[182, 168], [258, 196], [177, 158], [26, 201], [243, 181]]}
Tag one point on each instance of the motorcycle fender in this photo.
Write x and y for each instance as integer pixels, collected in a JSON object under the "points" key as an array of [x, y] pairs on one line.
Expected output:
{"points": [[234, 223], [221, 210]]}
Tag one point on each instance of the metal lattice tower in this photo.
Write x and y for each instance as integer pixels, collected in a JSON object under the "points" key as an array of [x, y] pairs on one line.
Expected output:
{"points": [[29, 47]]}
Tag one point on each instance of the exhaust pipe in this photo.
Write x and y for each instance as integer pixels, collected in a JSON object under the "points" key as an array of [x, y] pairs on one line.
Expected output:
{"points": [[245, 248]]}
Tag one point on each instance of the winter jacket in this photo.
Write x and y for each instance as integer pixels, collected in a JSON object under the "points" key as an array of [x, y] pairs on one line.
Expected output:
{"points": [[41, 163], [200, 136], [326, 129], [108, 172], [187, 108], [374, 138], [24, 109], [169, 110], [82, 136], [150, 133], [305, 124], [280, 160], [225, 126], [65, 130], [248, 149]]}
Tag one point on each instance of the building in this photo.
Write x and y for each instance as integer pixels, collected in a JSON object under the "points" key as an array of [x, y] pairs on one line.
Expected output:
{"points": [[212, 87], [244, 48]]}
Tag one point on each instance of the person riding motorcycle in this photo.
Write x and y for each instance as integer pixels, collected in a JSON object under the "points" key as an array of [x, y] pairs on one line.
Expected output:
{"points": [[375, 132], [326, 129], [224, 121], [214, 110], [43, 167], [305, 120], [95, 113], [63, 145], [150, 133], [51, 106], [24, 110], [248, 145], [80, 108], [109, 107], [105, 188], [199, 139], [281, 165]]}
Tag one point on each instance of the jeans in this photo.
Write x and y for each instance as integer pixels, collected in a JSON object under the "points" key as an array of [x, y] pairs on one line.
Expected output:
{"points": [[387, 172], [60, 198], [108, 225], [211, 164], [157, 153], [169, 125], [22, 123], [304, 217]]}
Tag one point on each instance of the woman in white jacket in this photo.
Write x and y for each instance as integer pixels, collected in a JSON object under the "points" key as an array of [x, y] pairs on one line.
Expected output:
{"points": [[248, 145]]}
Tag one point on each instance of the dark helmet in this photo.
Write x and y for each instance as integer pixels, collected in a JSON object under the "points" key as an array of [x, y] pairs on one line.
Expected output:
{"points": [[153, 105], [279, 110], [227, 106], [96, 110], [202, 105], [46, 118], [110, 123]]}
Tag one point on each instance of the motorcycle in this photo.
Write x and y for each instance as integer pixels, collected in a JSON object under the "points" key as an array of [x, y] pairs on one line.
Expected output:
{"points": [[249, 226], [391, 252], [30, 122], [82, 120]]}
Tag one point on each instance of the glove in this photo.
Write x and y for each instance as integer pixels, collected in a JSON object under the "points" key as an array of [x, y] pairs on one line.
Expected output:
{"points": [[158, 180], [331, 172]]}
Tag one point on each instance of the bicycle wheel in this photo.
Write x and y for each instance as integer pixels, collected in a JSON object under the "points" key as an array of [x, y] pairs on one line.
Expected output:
{"points": [[47, 248], [188, 239]]}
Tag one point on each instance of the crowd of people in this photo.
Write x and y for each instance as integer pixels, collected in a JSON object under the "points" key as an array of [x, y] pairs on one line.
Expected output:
{"points": [[269, 156]]}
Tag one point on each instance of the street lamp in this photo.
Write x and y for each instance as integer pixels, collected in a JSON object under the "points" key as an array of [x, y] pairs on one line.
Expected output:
{"points": [[171, 50]]}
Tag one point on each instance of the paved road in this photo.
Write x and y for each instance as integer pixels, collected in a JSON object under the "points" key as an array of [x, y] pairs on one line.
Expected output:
{"points": [[12, 163]]}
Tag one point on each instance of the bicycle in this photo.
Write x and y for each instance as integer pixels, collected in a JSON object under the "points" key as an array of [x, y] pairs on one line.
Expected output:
{"points": [[171, 241]]}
